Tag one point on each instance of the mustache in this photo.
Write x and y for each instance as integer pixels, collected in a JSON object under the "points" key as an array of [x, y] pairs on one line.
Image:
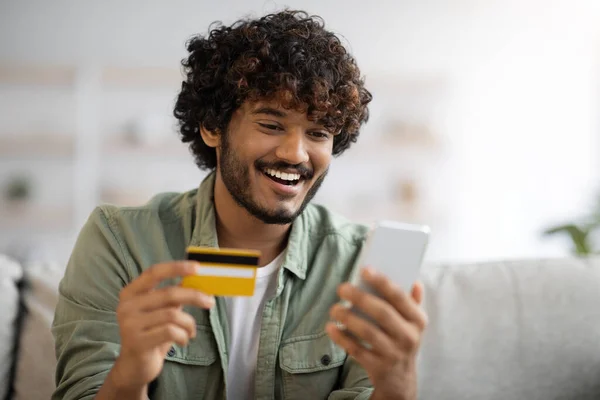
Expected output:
{"points": [[304, 171]]}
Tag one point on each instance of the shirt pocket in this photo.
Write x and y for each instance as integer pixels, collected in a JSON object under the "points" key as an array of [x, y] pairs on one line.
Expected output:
{"points": [[192, 371], [310, 366]]}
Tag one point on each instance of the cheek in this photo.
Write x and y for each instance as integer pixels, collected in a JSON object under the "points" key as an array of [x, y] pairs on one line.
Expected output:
{"points": [[321, 159]]}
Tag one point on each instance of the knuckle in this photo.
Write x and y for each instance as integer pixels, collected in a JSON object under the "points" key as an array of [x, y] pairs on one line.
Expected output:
{"points": [[171, 315], [154, 272], [365, 331], [171, 294], [412, 339], [189, 320], [384, 313], [344, 318], [198, 297], [151, 272], [400, 295], [357, 297], [171, 331], [339, 313], [388, 285]]}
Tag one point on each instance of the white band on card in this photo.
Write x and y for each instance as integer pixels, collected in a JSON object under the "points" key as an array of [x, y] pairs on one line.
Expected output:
{"points": [[225, 272]]}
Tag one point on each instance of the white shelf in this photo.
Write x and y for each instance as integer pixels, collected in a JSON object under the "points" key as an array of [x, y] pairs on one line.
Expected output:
{"points": [[31, 217], [37, 145], [141, 77], [37, 75], [110, 76], [124, 197], [167, 149]]}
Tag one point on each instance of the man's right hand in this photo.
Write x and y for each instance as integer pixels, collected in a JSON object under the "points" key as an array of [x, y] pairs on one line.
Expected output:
{"points": [[150, 321]]}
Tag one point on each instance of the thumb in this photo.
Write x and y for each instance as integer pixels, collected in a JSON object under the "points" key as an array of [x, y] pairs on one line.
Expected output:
{"points": [[417, 292]]}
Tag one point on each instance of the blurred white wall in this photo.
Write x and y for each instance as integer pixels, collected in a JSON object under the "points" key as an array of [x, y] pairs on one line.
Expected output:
{"points": [[520, 118]]}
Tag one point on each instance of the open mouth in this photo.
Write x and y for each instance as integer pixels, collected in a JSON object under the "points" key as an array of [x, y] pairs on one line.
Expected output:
{"points": [[284, 178]]}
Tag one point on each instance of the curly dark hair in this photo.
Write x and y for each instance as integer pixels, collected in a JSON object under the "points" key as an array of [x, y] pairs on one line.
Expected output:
{"points": [[288, 55]]}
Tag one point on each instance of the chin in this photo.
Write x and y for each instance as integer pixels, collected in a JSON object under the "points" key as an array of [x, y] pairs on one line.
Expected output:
{"points": [[275, 215], [276, 218]]}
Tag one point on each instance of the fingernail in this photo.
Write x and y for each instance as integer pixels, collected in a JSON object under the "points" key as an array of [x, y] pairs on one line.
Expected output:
{"points": [[370, 271], [343, 305]]}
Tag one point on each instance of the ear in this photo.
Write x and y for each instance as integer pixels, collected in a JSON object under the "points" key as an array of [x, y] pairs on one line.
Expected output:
{"points": [[211, 138]]}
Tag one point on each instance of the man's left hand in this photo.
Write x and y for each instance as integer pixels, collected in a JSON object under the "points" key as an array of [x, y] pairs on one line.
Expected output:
{"points": [[390, 359]]}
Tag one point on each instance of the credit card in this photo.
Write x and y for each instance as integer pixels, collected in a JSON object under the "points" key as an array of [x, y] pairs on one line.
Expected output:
{"points": [[223, 272]]}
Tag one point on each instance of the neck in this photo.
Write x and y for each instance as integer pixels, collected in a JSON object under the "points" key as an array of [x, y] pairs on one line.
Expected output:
{"points": [[238, 229]]}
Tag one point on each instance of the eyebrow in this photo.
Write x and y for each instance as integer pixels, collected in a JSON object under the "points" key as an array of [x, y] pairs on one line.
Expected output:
{"points": [[269, 111], [280, 114]]}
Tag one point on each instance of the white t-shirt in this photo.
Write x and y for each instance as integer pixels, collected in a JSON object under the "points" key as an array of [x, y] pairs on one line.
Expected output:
{"points": [[244, 315]]}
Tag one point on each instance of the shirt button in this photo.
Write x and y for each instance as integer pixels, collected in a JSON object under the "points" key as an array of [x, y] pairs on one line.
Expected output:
{"points": [[171, 352], [326, 360]]}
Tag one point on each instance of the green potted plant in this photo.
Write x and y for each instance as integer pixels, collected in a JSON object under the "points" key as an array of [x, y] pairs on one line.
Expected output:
{"points": [[17, 194], [581, 233]]}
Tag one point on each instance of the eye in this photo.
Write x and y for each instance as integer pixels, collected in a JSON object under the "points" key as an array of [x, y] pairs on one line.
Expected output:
{"points": [[320, 135], [271, 127]]}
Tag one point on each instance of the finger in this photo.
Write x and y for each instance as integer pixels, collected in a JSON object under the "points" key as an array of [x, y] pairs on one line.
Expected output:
{"points": [[164, 334], [150, 278], [351, 346], [165, 316], [172, 296], [378, 341], [397, 297], [384, 314], [402, 331]]}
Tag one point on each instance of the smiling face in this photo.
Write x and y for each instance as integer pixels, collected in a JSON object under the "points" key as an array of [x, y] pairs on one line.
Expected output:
{"points": [[272, 160]]}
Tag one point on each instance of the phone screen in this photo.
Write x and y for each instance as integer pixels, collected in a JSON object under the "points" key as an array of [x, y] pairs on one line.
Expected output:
{"points": [[396, 250]]}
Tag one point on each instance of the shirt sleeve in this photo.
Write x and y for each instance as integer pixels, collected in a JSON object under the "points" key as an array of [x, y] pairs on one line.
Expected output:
{"points": [[85, 327], [354, 383]]}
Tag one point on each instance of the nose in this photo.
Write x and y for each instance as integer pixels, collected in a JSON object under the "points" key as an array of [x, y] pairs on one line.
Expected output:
{"points": [[292, 148]]}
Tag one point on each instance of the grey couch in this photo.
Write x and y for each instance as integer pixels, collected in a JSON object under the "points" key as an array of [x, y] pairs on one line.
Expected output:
{"points": [[28, 297], [500, 330]]}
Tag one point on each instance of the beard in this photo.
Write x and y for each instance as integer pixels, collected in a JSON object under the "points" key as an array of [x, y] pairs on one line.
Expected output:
{"points": [[236, 177]]}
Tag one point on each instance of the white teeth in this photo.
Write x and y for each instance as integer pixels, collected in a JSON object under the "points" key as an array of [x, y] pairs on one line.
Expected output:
{"points": [[283, 175]]}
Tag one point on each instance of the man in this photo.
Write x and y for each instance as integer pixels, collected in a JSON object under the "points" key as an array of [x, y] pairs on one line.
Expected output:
{"points": [[265, 106]]}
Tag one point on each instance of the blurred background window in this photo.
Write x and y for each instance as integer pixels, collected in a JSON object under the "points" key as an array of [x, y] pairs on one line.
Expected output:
{"points": [[485, 122]]}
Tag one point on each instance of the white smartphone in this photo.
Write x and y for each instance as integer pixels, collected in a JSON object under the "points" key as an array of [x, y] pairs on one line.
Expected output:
{"points": [[395, 250]]}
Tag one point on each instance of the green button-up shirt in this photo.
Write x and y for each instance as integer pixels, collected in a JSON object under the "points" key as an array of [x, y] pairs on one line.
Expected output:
{"points": [[296, 358]]}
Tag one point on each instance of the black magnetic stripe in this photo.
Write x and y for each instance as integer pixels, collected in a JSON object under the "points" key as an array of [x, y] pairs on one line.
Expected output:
{"points": [[223, 259]]}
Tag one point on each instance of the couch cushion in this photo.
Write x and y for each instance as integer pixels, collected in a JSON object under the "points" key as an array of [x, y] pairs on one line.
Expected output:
{"points": [[36, 360], [10, 275], [512, 330]]}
